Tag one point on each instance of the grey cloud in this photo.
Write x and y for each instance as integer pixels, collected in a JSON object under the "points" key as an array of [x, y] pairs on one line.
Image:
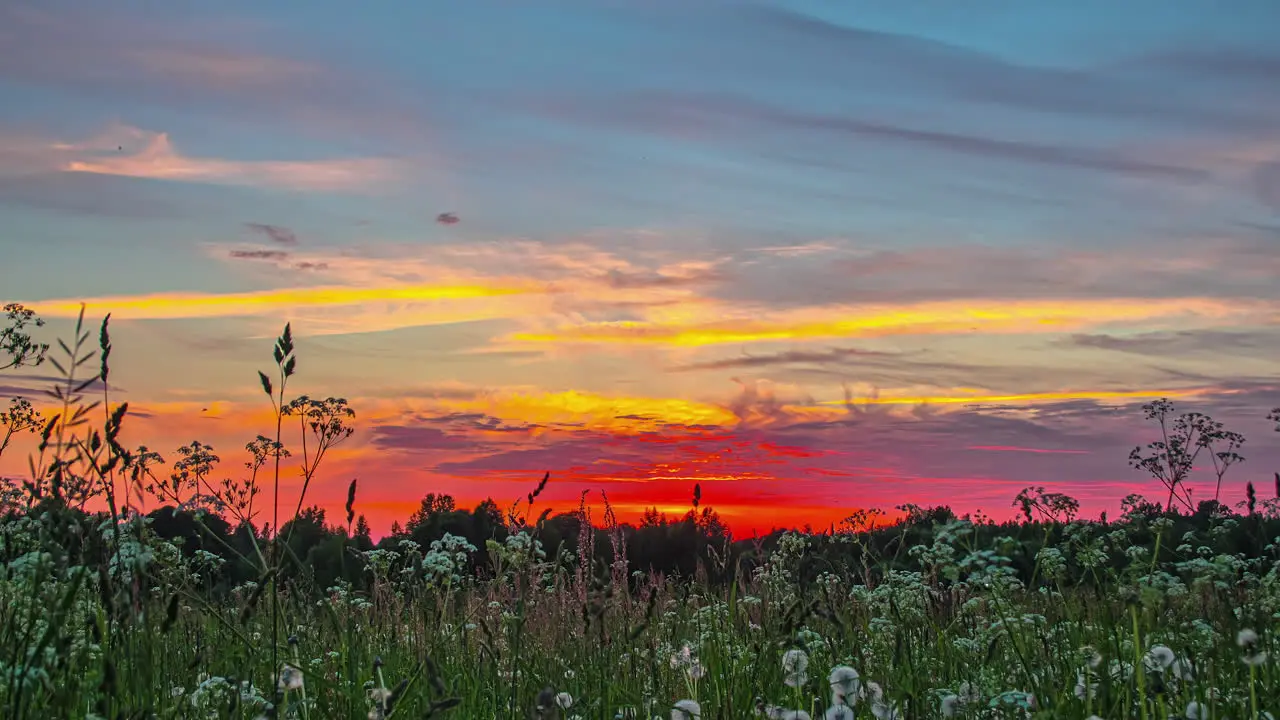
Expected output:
{"points": [[258, 254], [94, 195], [275, 233], [1169, 88], [793, 357], [629, 280], [1244, 267], [215, 66], [1267, 183], [1173, 344]]}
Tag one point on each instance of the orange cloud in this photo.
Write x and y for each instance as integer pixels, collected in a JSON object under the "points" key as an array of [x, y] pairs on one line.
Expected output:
{"points": [[952, 317]]}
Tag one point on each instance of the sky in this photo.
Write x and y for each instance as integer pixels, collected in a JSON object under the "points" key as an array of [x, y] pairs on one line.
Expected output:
{"points": [[812, 256]]}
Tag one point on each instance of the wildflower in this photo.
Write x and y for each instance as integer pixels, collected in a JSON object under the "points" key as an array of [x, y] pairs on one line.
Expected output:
{"points": [[885, 711], [1197, 711], [1247, 639], [379, 695], [794, 663], [1159, 657], [686, 710], [695, 671], [1085, 688], [564, 700], [290, 678], [839, 711], [845, 682]]}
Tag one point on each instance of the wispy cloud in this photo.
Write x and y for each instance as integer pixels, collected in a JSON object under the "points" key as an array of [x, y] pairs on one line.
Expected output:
{"points": [[1026, 398], [275, 233], [258, 254], [954, 317], [158, 159], [792, 357], [1044, 451], [448, 301], [1255, 342]]}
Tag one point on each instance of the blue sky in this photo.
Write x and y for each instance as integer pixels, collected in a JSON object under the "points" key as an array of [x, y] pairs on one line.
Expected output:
{"points": [[757, 169]]}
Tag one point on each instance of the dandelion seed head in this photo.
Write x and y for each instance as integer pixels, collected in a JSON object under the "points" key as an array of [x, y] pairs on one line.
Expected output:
{"points": [[845, 681], [839, 712], [686, 710], [1159, 657], [795, 661], [1246, 638], [290, 678]]}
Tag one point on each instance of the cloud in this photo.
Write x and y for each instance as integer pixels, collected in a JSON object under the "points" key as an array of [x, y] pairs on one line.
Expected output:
{"points": [[1190, 267], [158, 159], [276, 233], [216, 66], [819, 357], [36, 387], [719, 115], [1007, 448], [431, 304], [926, 318], [258, 254], [1175, 344], [1027, 398]]}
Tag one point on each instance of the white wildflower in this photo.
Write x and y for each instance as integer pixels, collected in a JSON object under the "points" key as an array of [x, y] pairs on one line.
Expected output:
{"points": [[839, 711], [686, 710], [290, 678], [1246, 638], [794, 663], [564, 700], [1197, 711], [845, 682], [1159, 657]]}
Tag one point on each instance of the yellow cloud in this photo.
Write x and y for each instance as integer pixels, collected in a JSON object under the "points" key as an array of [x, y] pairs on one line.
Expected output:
{"points": [[951, 317], [206, 305], [592, 410]]}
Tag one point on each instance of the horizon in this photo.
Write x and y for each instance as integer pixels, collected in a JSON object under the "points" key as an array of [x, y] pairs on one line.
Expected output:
{"points": [[811, 258]]}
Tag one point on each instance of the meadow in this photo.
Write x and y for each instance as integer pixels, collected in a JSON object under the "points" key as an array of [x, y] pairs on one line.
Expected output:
{"points": [[220, 602]]}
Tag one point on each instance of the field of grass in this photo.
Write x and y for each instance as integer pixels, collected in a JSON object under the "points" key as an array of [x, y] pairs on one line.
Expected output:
{"points": [[1160, 613]]}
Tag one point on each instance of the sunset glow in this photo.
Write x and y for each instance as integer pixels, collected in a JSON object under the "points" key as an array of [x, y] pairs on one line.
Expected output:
{"points": [[808, 258]]}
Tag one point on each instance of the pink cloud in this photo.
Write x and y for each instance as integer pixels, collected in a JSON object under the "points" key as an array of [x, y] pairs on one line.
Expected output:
{"points": [[158, 159]]}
